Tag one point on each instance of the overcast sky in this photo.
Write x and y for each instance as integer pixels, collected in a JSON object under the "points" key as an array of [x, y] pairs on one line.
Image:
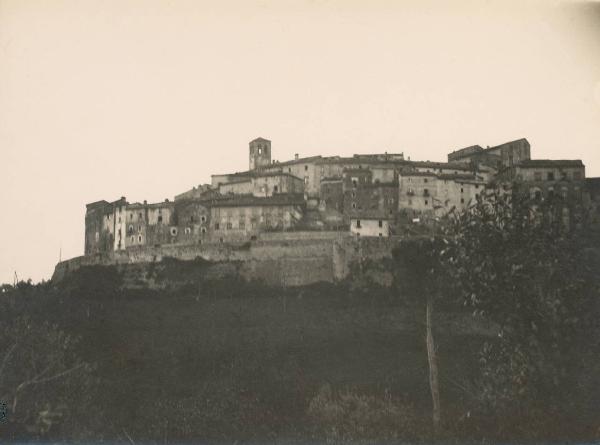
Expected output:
{"points": [[145, 99]]}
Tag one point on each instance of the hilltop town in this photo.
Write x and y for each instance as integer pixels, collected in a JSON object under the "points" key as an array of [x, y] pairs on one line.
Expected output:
{"points": [[365, 195], [308, 219]]}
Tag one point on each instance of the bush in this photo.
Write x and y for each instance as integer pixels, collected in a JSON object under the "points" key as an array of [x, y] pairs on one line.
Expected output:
{"points": [[350, 417]]}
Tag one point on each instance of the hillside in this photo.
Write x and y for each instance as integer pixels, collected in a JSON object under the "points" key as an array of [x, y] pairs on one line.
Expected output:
{"points": [[232, 360], [225, 359]]}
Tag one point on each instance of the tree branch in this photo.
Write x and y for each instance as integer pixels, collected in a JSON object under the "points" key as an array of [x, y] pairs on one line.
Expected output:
{"points": [[6, 359]]}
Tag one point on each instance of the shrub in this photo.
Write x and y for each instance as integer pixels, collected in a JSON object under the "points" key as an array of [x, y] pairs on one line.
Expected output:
{"points": [[351, 417]]}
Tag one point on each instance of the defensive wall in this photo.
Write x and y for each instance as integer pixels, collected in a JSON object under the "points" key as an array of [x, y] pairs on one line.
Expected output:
{"points": [[277, 258]]}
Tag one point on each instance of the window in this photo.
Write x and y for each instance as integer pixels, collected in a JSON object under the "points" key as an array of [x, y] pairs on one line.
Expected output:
{"points": [[354, 194], [159, 218], [410, 202], [306, 168], [216, 226], [259, 150], [425, 180], [130, 230], [353, 205], [132, 239], [462, 190], [550, 176], [229, 226], [242, 224], [220, 240], [564, 175], [577, 175], [476, 186], [139, 229], [275, 189], [426, 202], [192, 218], [426, 192], [380, 234], [462, 200], [289, 169], [174, 231], [306, 179], [203, 230], [203, 218], [380, 223], [537, 176], [187, 230], [140, 238], [131, 216], [358, 223]]}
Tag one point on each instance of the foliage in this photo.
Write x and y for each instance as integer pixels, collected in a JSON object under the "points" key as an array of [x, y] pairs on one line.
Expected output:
{"points": [[42, 379], [510, 261], [348, 417]]}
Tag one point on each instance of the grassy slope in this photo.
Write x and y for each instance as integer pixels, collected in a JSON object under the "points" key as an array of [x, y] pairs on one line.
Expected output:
{"points": [[243, 360]]}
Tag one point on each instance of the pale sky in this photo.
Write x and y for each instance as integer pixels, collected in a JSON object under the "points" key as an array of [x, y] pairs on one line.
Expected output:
{"points": [[145, 99]]}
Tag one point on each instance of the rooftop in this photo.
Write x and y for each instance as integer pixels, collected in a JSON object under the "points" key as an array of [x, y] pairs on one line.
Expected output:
{"points": [[552, 163], [250, 200]]}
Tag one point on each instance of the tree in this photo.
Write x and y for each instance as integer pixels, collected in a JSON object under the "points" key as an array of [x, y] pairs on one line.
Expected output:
{"points": [[511, 262], [420, 260], [41, 376]]}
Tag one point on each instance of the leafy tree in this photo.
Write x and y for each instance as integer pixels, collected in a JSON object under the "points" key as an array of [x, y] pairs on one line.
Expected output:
{"points": [[42, 380], [420, 260], [514, 263]]}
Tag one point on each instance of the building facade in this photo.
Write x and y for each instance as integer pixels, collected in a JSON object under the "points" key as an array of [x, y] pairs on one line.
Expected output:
{"points": [[366, 195]]}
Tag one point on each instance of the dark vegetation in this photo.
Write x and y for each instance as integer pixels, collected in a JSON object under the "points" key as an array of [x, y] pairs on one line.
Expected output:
{"points": [[220, 359]]}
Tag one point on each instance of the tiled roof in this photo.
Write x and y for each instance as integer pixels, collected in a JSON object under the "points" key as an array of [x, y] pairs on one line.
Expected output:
{"points": [[552, 163], [93, 205], [452, 176], [250, 200], [259, 139], [445, 165], [415, 173], [296, 161]]}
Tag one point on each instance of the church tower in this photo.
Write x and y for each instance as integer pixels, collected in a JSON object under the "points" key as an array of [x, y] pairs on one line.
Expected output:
{"points": [[260, 153]]}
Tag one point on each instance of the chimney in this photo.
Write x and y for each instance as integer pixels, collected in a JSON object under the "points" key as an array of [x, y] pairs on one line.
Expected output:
{"points": [[145, 202], [296, 156]]}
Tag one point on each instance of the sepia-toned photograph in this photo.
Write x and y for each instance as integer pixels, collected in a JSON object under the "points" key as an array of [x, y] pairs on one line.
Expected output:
{"points": [[299, 222]]}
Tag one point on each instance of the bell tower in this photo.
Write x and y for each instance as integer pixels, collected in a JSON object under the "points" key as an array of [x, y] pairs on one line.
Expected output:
{"points": [[260, 153]]}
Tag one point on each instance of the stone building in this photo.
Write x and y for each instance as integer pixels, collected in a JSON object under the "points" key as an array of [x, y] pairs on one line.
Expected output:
{"points": [[263, 184], [366, 195], [498, 157], [433, 195], [242, 217], [260, 153]]}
